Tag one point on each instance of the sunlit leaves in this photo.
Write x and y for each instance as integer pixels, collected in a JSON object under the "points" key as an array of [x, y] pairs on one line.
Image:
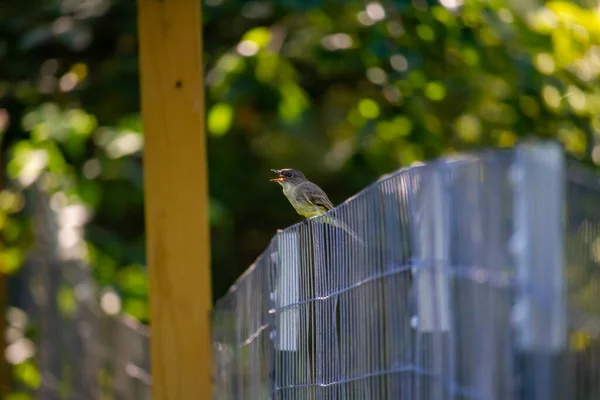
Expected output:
{"points": [[50, 122], [80, 70], [15, 230], [573, 138], [133, 280], [398, 127], [11, 201], [260, 35], [118, 143], [293, 102], [67, 305], [443, 15], [409, 153], [572, 14], [470, 56], [253, 41], [27, 163], [11, 259], [551, 96], [542, 20], [368, 108], [124, 144], [573, 30], [399, 62], [81, 122], [377, 75], [468, 127], [137, 308], [579, 341], [489, 37], [435, 91], [219, 119], [426, 33], [267, 66], [544, 63], [28, 374], [505, 138]]}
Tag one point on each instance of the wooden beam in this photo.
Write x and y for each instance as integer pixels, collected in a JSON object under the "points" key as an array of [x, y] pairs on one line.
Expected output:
{"points": [[176, 190]]}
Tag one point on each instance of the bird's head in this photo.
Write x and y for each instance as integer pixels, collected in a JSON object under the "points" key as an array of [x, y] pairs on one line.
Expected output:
{"points": [[288, 176]]}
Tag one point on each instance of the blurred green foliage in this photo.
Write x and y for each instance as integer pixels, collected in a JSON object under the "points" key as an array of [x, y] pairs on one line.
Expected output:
{"points": [[343, 90]]}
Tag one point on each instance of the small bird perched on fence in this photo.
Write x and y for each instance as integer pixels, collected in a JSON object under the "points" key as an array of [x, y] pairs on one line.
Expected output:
{"points": [[308, 199]]}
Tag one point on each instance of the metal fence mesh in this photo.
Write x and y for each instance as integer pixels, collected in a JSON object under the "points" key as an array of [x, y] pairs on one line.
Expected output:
{"points": [[474, 278], [457, 289]]}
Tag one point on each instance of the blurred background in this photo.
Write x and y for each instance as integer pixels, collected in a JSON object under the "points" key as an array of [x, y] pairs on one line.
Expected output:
{"points": [[344, 90]]}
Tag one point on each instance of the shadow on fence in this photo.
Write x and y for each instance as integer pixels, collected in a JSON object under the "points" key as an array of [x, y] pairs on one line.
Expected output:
{"points": [[478, 279]]}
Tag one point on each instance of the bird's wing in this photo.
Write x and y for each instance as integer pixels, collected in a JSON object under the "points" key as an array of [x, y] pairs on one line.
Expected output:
{"points": [[317, 196]]}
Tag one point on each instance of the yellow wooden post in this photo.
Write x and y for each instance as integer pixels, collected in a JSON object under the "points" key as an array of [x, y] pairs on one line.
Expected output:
{"points": [[176, 190]]}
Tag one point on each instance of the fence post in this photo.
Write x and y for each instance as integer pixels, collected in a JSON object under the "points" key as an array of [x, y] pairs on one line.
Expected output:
{"points": [[176, 197], [538, 176], [431, 251], [287, 320], [49, 276]]}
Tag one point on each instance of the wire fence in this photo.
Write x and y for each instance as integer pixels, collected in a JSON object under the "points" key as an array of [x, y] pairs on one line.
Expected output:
{"points": [[475, 277], [65, 337]]}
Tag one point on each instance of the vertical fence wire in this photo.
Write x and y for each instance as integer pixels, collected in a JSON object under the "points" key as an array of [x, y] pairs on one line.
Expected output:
{"points": [[410, 290]]}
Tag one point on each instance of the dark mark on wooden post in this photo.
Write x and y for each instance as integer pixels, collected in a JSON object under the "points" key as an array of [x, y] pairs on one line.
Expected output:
{"points": [[178, 84]]}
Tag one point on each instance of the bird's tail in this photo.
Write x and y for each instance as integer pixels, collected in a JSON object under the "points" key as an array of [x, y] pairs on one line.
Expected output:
{"points": [[339, 224]]}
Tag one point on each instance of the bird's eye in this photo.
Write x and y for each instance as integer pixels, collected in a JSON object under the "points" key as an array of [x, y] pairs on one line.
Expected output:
{"points": [[288, 175]]}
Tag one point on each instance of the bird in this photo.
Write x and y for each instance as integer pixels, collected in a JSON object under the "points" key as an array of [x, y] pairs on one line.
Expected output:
{"points": [[308, 199]]}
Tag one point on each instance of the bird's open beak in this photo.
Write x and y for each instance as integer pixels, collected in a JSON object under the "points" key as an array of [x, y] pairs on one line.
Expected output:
{"points": [[280, 179]]}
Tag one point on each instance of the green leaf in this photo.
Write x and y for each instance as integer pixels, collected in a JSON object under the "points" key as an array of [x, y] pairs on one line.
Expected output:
{"points": [[28, 374], [133, 280], [82, 123], [11, 259], [137, 308], [219, 119], [66, 301], [294, 102], [435, 91], [368, 108], [259, 35]]}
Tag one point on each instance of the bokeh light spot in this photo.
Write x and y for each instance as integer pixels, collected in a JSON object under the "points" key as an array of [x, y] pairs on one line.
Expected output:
{"points": [[368, 108], [435, 91], [219, 119]]}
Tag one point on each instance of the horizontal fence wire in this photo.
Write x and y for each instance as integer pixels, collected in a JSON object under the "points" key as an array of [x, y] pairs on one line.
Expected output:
{"points": [[428, 302]]}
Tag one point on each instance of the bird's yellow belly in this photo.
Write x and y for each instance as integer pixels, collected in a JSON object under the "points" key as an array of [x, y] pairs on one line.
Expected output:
{"points": [[309, 211], [302, 207]]}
